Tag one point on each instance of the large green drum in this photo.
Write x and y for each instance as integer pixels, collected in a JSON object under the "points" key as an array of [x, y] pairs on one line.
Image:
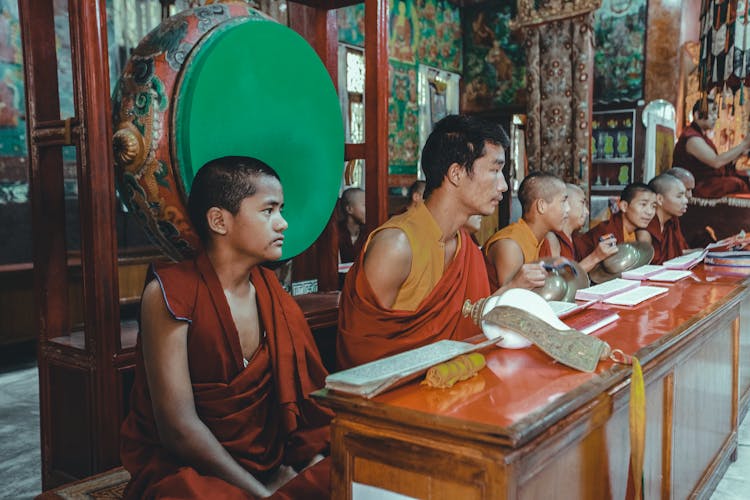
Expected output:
{"points": [[225, 80]]}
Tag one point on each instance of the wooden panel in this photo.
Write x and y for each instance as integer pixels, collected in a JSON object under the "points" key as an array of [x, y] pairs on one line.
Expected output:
{"points": [[702, 409], [70, 429], [744, 358]]}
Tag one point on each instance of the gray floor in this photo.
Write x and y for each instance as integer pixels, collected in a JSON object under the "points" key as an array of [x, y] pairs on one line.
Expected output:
{"points": [[20, 462]]}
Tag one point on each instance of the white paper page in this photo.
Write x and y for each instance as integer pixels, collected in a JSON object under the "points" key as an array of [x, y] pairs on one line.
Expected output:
{"points": [[636, 296]]}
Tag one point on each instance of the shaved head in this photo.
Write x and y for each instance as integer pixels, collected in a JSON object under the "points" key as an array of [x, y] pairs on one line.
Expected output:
{"points": [[538, 186], [685, 176], [662, 184]]}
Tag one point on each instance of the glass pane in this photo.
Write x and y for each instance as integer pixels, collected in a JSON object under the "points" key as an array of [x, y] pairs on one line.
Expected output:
{"points": [[355, 71], [15, 208], [64, 60], [73, 242]]}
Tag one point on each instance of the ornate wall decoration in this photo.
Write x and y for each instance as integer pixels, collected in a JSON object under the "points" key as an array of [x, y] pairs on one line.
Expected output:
{"points": [[620, 33], [351, 23], [403, 119], [495, 68], [558, 123], [403, 32], [535, 12], [439, 42], [420, 32]]}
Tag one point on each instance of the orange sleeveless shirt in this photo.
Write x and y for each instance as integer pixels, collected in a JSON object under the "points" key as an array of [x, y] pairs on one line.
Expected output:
{"points": [[521, 233]]}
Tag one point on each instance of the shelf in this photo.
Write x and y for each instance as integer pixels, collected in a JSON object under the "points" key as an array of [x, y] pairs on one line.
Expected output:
{"points": [[612, 160], [611, 187]]}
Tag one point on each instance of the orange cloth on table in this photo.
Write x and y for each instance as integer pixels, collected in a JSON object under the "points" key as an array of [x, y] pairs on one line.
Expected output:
{"points": [[521, 233], [709, 182], [262, 414], [669, 242], [369, 331], [615, 225]]}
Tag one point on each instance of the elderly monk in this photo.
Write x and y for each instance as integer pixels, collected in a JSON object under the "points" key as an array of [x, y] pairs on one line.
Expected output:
{"points": [[715, 175], [664, 232], [408, 285], [637, 206], [225, 361], [569, 243], [510, 251], [685, 177]]}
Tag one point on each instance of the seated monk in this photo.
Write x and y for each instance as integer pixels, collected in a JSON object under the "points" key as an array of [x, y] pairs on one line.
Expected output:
{"points": [[715, 175], [685, 177], [511, 251], [637, 206], [225, 361], [351, 228], [415, 195], [408, 285], [568, 242], [664, 232]]}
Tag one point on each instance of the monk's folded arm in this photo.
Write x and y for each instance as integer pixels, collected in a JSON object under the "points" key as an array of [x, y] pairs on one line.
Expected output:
{"points": [[387, 264], [164, 344], [507, 258]]}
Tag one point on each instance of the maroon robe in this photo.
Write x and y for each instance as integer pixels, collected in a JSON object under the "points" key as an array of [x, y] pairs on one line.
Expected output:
{"points": [[262, 414], [668, 243], [709, 182], [568, 248], [590, 240], [369, 331]]}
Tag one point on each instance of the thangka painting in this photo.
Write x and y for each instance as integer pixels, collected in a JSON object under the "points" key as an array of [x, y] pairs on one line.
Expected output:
{"points": [[620, 47], [495, 62], [403, 119], [351, 23], [403, 30], [439, 42]]}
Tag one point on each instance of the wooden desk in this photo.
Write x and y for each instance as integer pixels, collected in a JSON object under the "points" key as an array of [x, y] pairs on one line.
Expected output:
{"points": [[527, 427]]}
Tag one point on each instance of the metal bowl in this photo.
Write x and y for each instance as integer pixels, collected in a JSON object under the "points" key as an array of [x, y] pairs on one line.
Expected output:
{"points": [[628, 256], [563, 281]]}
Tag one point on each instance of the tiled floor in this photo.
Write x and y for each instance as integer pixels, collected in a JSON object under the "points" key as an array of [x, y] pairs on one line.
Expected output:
{"points": [[20, 462]]}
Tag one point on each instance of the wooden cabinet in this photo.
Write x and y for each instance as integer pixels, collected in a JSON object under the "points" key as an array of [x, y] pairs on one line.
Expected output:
{"points": [[613, 142], [526, 427]]}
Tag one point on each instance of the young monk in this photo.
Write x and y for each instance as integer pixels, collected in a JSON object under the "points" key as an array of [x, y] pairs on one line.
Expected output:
{"points": [[664, 231], [637, 206], [568, 242], [544, 203], [225, 361], [351, 229], [408, 285]]}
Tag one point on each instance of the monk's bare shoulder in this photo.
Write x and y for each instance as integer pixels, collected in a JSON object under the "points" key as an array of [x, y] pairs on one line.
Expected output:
{"points": [[387, 263]]}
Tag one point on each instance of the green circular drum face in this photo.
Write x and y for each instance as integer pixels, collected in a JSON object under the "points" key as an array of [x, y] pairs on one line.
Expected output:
{"points": [[256, 88]]}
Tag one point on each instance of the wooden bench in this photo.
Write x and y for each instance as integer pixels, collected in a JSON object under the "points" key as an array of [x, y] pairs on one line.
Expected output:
{"points": [[107, 485]]}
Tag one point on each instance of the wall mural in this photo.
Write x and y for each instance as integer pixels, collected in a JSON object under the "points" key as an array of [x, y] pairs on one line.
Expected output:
{"points": [[495, 70], [403, 119], [420, 32], [619, 57]]}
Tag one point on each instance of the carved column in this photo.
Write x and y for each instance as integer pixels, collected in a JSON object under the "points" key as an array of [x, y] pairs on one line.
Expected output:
{"points": [[558, 38]]}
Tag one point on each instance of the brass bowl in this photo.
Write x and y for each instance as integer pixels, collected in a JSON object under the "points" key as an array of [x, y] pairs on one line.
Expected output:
{"points": [[562, 282], [629, 256]]}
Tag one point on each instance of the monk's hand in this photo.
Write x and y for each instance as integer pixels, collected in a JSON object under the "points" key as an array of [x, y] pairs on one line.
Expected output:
{"points": [[529, 276], [605, 248]]}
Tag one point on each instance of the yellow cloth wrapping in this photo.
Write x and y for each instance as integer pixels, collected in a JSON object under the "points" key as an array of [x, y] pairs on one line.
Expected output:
{"points": [[447, 374], [637, 428]]}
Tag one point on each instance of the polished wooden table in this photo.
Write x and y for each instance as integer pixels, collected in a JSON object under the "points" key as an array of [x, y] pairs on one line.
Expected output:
{"points": [[527, 427]]}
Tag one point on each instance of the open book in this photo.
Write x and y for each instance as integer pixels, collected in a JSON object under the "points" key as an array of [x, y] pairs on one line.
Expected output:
{"points": [[686, 261], [373, 378], [606, 289], [655, 273], [636, 295]]}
